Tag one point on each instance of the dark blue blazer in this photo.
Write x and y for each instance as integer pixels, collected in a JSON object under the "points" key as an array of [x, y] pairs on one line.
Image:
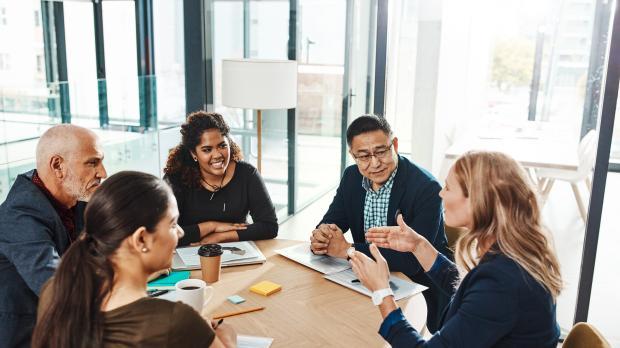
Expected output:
{"points": [[32, 239], [416, 193], [498, 304]]}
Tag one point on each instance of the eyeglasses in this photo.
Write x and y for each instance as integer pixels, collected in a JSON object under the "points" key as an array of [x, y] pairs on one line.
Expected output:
{"points": [[380, 155]]}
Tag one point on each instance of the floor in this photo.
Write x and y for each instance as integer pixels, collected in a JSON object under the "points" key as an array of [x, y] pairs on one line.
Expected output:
{"points": [[562, 217]]}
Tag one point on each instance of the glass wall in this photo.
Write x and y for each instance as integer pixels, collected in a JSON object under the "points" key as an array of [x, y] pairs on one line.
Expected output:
{"points": [[23, 89], [169, 60], [119, 30], [81, 63], [260, 29], [604, 310], [510, 76], [321, 58], [262, 34]]}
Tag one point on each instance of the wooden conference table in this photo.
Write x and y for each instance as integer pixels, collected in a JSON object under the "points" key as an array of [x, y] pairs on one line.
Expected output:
{"points": [[309, 311]]}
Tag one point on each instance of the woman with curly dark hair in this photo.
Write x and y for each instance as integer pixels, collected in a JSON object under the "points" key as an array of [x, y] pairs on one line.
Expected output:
{"points": [[215, 189]]}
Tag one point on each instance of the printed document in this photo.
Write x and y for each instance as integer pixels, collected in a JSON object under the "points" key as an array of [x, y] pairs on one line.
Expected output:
{"points": [[325, 264]]}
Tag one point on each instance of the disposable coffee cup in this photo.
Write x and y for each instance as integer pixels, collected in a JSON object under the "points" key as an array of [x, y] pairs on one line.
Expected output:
{"points": [[210, 262]]}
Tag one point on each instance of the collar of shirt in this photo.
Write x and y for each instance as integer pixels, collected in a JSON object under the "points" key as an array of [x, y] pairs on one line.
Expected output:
{"points": [[67, 215], [367, 184]]}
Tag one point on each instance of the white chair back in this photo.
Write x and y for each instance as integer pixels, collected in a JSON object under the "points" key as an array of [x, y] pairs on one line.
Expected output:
{"points": [[587, 154]]}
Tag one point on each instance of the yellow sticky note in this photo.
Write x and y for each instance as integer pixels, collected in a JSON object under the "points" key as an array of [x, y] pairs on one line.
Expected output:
{"points": [[265, 288]]}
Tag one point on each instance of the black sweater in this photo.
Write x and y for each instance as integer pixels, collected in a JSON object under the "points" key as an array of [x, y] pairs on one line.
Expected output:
{"points": [[246, 192]]}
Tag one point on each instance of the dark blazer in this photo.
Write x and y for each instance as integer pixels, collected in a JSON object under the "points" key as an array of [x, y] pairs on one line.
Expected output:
{"points": [[498, 304], [416, 193], [32, 239]]}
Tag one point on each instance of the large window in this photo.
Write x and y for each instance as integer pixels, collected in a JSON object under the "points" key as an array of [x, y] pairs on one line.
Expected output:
{"points": [[23, 90], [512, 76], [81, 68], [260, 29], [119, 27], [169, 60]]}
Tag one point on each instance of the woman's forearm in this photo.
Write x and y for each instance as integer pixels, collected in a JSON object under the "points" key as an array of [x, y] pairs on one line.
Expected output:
{"points": [[206, 228], [387, 306], [426, 254]]}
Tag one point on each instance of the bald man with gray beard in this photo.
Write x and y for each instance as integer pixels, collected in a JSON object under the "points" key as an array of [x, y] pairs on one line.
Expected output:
{"points": [[40, 218]]}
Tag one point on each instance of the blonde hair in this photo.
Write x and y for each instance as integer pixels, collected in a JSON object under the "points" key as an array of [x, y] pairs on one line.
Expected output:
{"points": [[505, 211]]}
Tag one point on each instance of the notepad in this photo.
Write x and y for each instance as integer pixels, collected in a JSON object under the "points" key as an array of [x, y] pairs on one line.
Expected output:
{"points": [[265, 288], [168, 282]]}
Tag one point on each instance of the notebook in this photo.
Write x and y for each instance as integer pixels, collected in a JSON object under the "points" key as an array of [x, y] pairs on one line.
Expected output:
{"points": [[168, 282], [235, 254], [325, 264]]}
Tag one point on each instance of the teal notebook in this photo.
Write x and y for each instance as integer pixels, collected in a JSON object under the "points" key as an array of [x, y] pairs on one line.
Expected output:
{"points": [[168, 282]]}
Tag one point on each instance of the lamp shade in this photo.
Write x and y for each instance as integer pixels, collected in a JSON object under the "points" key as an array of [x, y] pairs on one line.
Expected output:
{"points": [[259, 84]]}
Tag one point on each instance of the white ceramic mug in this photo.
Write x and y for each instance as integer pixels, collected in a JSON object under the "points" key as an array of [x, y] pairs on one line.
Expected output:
{"points": [[197, 297]]}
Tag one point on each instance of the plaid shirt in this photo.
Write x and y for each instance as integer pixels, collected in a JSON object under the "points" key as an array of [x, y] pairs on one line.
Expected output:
{"points": [[377, 202]]}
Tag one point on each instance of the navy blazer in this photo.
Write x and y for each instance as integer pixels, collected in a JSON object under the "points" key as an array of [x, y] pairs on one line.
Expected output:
{"points": [[416, 193], [498, 304], [32, 239]]}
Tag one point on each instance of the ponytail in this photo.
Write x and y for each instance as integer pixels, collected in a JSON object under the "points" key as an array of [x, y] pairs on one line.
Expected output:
{"points": [[77, 290], [72, 317]]}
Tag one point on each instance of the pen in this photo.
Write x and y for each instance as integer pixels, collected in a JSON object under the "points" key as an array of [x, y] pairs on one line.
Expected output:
{"points": [[218, 324], [155, 293]]}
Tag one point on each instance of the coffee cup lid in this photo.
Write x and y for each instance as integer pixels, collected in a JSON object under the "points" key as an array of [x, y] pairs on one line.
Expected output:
{"points": [[210, 250]]}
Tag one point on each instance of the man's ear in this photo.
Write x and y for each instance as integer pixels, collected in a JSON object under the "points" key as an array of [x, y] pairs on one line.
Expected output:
{"points": [[57, 165], [395, 142], [139, 241]]}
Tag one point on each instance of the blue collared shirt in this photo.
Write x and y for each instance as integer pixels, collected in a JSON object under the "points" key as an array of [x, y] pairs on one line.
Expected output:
{"points": [[377, 202]]}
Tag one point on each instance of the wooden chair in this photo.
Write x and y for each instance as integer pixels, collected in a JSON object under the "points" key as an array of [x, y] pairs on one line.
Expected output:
{"points": [[584, 335]]}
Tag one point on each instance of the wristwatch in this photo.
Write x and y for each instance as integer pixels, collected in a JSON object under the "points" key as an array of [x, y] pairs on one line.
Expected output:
{"points": [[350, 251], [379, 295]]}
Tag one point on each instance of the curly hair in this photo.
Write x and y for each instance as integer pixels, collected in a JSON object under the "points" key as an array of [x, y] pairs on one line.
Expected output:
{"points": [[180, 163]]}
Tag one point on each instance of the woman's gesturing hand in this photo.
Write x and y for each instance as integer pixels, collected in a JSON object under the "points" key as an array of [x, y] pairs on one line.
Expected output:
{"points": [[400, 238], [374, 275]]}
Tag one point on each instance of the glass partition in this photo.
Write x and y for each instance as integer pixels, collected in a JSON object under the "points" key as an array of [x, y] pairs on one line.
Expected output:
{"points": [[23, 90], [509, 76], [119, 28], [321, 60], [266, 35], [169, 61], [81, 68]]}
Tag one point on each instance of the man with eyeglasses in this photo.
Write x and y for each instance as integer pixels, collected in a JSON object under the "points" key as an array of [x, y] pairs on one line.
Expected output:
{"points": [[371, 192]]}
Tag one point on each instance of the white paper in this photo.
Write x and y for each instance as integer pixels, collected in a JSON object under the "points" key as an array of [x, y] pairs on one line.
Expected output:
{"points": [[244, 341], [401, 288], [191, 259], [325, 264]]}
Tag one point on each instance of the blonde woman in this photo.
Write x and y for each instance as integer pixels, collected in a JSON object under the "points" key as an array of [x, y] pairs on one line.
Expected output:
{"points": [[505, 293]]}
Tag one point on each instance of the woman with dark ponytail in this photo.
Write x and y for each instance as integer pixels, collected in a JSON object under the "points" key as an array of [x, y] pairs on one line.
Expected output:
{"points": [[97, 296], [214, 188]]}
